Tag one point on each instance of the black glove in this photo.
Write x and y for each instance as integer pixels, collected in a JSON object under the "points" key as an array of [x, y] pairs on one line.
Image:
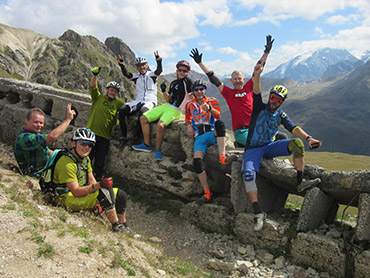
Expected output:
{"points": [[163, 87], [269, 43], [196, 56], [96, 70]]}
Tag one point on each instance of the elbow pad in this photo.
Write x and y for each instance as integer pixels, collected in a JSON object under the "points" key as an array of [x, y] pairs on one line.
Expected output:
{"points": [[125, 72], [214, 79]]}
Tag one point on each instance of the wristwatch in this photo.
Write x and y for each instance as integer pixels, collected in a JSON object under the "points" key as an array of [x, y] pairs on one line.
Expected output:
{"points": [[308, 137]]}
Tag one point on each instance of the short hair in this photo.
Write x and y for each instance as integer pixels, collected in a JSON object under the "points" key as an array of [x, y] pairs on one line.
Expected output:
{"points": [[34, 110], [237, 72]]}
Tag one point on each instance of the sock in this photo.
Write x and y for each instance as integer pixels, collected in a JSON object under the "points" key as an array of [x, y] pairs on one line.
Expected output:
{"points": [[207, 193], [256, 208], [299, 176]]}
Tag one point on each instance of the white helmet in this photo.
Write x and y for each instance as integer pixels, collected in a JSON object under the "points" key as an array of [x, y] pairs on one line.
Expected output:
{"points": [[84, 134], [140, 60], [113, 84]]}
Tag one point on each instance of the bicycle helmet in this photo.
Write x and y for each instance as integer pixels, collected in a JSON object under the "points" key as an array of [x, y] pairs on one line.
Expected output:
{"points": [[198, 83], [113, 84], [183, 63], [84, 134], [280, 91], [140, 60]]}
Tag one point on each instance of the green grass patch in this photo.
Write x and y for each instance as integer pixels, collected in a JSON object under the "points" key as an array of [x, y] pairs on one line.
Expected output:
{"points": [[85, 249], [45, 249], [63, 218], [118, 261]]}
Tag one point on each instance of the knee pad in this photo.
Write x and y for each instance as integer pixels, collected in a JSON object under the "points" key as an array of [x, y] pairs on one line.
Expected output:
{"points": [[220, 128], [296, 147], [249, 178], [121, 201], [198, 165], [106, 198]]}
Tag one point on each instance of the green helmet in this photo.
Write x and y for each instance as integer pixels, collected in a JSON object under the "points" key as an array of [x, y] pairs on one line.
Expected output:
{"points": [[280, 91]]}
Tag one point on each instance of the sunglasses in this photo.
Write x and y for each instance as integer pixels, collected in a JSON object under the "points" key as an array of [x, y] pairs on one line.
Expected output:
{"points": [[182, 70], [198, 89], [86, 143], [274, 98]]}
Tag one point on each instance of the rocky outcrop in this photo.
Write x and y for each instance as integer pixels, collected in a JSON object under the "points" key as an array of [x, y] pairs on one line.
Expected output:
{"points": [[231, 210]]}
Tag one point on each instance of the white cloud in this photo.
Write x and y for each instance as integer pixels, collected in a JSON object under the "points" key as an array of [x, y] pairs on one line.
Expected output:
{"points": [[228, 50], [340, 19]]}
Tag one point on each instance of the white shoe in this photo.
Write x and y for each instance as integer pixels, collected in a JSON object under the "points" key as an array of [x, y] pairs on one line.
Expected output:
{"points": [[258, 221]]}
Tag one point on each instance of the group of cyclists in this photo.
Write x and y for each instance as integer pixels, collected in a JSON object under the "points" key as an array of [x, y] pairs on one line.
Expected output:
{"points": [[254, 124]]}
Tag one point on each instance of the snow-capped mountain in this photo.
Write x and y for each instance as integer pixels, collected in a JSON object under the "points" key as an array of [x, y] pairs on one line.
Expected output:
{"points": [[317, 64], [366, 56]]}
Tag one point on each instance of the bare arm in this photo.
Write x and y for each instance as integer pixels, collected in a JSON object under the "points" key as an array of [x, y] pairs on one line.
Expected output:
{"points": [[268, 46], [60, 129], [257, 78], [300, 133]]}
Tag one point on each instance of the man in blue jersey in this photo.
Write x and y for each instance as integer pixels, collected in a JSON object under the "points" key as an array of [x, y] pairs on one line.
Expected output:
{"points": [[264, 124]]}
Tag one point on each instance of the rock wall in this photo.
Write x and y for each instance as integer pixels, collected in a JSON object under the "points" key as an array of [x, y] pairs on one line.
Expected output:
{"points": [[231, 211]]}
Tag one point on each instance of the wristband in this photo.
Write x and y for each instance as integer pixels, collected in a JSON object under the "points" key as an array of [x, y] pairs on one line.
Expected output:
{"points": [[308, 137], [210, 108], [93, 187]]}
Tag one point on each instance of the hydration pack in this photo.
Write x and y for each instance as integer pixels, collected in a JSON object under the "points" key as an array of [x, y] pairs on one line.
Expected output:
{"points": [[46, 174]]}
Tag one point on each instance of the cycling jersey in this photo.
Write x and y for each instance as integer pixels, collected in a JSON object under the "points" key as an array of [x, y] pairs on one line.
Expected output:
{"points": [[146, 87], [178, 90], [240, 103], [265, 123], [199, 118]]}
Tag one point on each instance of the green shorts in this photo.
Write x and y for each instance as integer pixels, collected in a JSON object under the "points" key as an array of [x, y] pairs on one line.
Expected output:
{"points": [[79, 203], [165, 113], [241, 135]]}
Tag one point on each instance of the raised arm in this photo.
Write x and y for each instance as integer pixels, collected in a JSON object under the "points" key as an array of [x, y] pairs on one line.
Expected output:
{"points": [[60, 129], [123, 68], [268, 46], [257, 78], [300, 133], [158, 58], [212, 77], [94, 80]]}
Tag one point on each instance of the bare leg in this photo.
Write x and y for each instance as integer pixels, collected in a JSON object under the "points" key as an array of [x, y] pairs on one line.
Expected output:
{"points": [[160, 134], [145, 127], [112, 215]]}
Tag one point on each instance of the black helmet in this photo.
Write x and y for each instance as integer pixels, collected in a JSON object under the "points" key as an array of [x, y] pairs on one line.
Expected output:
{"points": [[200, 82]]}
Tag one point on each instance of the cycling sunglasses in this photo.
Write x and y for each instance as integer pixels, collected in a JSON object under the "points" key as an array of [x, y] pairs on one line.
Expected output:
{"points": [[182, 70], [86, 143], [278, 100]]}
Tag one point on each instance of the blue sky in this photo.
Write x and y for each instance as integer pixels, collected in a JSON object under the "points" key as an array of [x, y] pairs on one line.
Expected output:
{"points": [[230, 33]]}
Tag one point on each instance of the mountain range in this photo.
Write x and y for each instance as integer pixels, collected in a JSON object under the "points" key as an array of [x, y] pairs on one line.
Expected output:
{"points": [[329, 89]]}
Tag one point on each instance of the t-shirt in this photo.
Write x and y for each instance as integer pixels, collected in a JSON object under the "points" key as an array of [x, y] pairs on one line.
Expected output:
{"points": [[146, 86], [178, 89], [103, 113], [265, 123], [240, 103], [66, 170], [31, 151], [197, 116]]}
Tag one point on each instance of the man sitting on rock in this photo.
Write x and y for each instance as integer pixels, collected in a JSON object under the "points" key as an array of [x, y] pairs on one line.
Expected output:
{"points": [[30, 149], [77, 188], [202, 117], [146, 90], [265, 121], [177, 96]]}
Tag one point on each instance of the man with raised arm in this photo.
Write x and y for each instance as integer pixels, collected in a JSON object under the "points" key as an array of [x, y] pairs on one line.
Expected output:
{"points": [[178, 94], [240, 97], [265, 121], [203, 124], [30, 149], [146, 90], [102, 118]]}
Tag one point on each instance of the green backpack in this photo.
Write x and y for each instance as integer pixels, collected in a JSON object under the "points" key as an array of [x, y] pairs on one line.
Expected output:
{"points": [[46, 174]]}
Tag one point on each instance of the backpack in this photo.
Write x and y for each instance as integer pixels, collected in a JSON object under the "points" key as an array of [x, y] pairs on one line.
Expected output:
{"points": [[46, 174]]}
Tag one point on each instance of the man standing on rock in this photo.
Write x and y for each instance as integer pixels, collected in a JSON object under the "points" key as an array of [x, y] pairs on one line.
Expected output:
{"points": [[239, 98], [30, 149], [102, 119], [265, 121], [146, 90], [177, 96], [202, 117]]}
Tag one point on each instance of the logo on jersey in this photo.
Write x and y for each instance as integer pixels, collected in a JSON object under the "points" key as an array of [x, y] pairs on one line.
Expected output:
{"points": [[241, 94]]}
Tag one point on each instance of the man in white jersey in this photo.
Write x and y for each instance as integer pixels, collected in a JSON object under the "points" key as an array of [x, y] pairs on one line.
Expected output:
{"points": [[146, 89]]}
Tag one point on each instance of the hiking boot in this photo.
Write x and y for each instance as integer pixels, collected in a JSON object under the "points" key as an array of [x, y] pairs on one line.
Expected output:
{"points": [[306, 184], [226, 159], [122, 143], [119, 228], [128, 229], [258, 221], [158, 155], [204, 199], [142, 148]]}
